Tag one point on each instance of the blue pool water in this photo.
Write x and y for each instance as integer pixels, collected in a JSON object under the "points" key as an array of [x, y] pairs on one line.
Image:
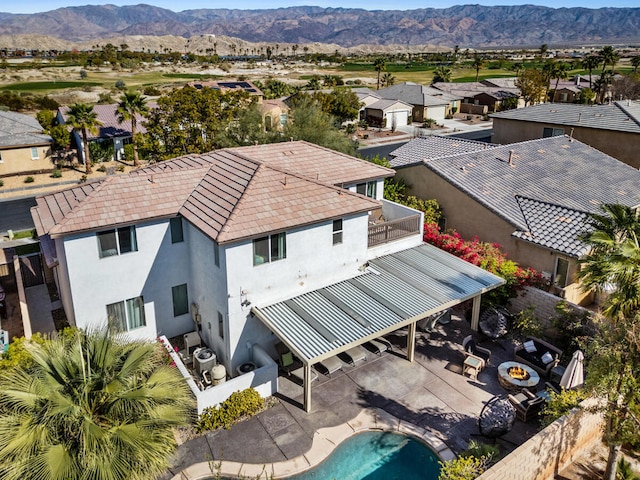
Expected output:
{"points": [[377, 456]]}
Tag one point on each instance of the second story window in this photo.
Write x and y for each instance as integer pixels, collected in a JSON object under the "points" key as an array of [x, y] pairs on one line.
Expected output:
{"points": [[270, 249], [117, 241], [177, 235], [34, 153], [368, 189], [337, 232]]}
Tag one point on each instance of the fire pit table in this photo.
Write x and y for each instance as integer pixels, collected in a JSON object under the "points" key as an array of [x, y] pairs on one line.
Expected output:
{"points": [[515, 377]]}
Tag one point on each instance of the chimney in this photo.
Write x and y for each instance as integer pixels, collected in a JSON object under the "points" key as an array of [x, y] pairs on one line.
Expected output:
{"points": [[511, 152], [571, 135]]}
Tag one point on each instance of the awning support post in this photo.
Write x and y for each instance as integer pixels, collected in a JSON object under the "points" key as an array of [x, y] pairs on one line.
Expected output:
{"points": [[475, 313], [411, 341], [307, 387]]}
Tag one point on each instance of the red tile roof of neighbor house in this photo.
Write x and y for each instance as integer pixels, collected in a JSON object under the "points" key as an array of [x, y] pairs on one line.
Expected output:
{"points": [[226, 194]]}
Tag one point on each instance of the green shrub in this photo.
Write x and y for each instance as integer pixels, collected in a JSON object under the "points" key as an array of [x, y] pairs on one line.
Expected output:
{"points": [[17, 354], [526, 323], [29, 179], [574, 327], [120, 85], [102, 168], [462, 468], [56, 174], [560, 404], [83, 179], [429, 122], [152, 91], [239, 404], [120, 168]]}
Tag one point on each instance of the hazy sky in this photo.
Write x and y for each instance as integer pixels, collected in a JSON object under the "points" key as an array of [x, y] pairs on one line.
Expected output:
{"points": [[31, 6]]}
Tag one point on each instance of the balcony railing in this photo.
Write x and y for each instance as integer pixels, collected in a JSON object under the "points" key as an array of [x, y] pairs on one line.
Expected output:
{"points": [[384, 232]]}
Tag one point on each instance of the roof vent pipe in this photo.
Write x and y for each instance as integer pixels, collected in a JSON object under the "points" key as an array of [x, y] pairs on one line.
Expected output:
{"points": [[511, 152], [579, 117]]}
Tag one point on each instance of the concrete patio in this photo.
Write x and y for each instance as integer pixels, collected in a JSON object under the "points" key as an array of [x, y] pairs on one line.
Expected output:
{"points": [[430, 393]]}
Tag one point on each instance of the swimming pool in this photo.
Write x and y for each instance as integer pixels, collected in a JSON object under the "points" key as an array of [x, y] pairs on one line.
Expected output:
{"points": [[377, 456]]}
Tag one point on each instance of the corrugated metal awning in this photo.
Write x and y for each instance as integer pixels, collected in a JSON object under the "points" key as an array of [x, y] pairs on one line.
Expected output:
{"points": [[394, 291]]}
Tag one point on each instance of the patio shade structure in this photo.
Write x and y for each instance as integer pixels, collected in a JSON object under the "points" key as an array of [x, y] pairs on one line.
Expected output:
{"points": [[394, 291], [573, 376]]}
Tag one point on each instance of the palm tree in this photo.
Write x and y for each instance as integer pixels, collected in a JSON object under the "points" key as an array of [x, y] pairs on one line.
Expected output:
{"points": [[131, 105], [388, 79], [608, 56], [82, 117], [613, 260], [635, 61], [477, 63], [544, 48], [561, 72], [589, 63], [613, 264], [442, 74], [380, 66], [92, 405]]}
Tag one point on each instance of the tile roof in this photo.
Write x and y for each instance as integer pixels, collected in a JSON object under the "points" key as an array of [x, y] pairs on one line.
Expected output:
{"points": [[228, 86], [553, 226], [620, 116], [427, 148], [506, 82], [555, 170], [415, 94], [472, 89], [17, 130], [226, 194], [387, 103], [110, 127]]}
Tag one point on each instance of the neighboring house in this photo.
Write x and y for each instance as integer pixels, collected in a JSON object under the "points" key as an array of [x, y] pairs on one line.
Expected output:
{"points": [[281, 242], [476, 94], [387, 113], [275, 114], [530, 197], [24, 147], [427, 102], [230, 86], [366, 97], [110, 130], [612, 129]]}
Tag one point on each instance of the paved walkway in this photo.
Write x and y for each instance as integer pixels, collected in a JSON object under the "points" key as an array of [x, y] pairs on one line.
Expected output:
{"points": [[429, 393], [39, 305]]}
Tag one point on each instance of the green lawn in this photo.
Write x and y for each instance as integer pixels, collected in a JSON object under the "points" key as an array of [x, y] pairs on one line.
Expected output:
{"points": [[47, 86]]}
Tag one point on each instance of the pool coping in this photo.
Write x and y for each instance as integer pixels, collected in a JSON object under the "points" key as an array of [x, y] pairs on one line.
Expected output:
{"points": [[325, 441]]}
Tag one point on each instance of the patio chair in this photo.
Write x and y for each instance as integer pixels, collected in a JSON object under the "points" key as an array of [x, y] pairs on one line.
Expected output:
{"points": [[472, 349], [291, 365], [527, 404], [354, 355], [329, 365], [378, 346]]}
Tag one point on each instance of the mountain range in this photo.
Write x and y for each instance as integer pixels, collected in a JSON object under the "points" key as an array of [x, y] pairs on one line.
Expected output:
{"points": [[464, 25]]}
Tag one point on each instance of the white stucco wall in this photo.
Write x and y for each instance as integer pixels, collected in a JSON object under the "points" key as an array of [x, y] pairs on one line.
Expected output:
{"points": [[150, 272]]}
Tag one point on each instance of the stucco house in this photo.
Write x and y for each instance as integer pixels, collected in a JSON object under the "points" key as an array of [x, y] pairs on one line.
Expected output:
{"points": [[531, 197], [24, 147], [477, 94], [275, 114], [427, 102], [250, 246], [386, 113], [110, 130], [613, 129]]}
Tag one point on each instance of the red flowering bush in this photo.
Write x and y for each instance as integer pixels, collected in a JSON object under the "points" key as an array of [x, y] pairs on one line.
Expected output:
{"points": [[490, 257]]}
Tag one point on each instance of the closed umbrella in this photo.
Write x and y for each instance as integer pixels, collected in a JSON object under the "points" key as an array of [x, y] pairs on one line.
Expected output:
{"points": [[574, 374]]}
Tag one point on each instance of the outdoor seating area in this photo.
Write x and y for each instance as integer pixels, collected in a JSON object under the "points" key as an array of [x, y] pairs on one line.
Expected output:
{"points": [[538, 354]]}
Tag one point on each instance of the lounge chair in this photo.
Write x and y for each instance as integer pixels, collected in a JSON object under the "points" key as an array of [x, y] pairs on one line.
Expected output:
{"points": [[527, 404], [354, 355], [378, 346], [430, 323], [291, 365], [329, 365]]}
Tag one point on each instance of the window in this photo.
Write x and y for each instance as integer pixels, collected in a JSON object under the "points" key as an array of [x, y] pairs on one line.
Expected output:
{"points": [[117, 241], [337, 232], [562, 270], [284, 118], [220, 325], [368, 189], [552, 132], [270, 249], [216, 254], [34, 153], [127, 315], [177, 235], [180, 300]]}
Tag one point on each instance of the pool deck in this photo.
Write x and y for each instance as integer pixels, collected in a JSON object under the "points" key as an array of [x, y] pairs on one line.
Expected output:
{"points": [[428, 398]]}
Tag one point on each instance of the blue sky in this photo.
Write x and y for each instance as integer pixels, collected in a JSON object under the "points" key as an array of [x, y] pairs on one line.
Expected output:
{"points": [[32, 6]]}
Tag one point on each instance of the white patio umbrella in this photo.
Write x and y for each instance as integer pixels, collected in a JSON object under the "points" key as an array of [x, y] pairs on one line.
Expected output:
{"points": [[574, 374]]}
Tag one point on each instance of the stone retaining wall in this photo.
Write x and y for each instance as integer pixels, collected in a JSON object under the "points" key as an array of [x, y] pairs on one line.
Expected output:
{"points": [[551, 450]]}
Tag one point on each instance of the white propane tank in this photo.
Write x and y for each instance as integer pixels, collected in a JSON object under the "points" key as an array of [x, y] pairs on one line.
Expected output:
{"points": [[218, 374]]}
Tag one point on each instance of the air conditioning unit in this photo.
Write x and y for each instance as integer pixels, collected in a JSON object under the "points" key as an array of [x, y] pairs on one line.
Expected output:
{"points": [[203, 360]]}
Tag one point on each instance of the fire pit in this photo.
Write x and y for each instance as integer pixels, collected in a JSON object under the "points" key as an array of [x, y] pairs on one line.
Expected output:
{"points": [[515, 377]]}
